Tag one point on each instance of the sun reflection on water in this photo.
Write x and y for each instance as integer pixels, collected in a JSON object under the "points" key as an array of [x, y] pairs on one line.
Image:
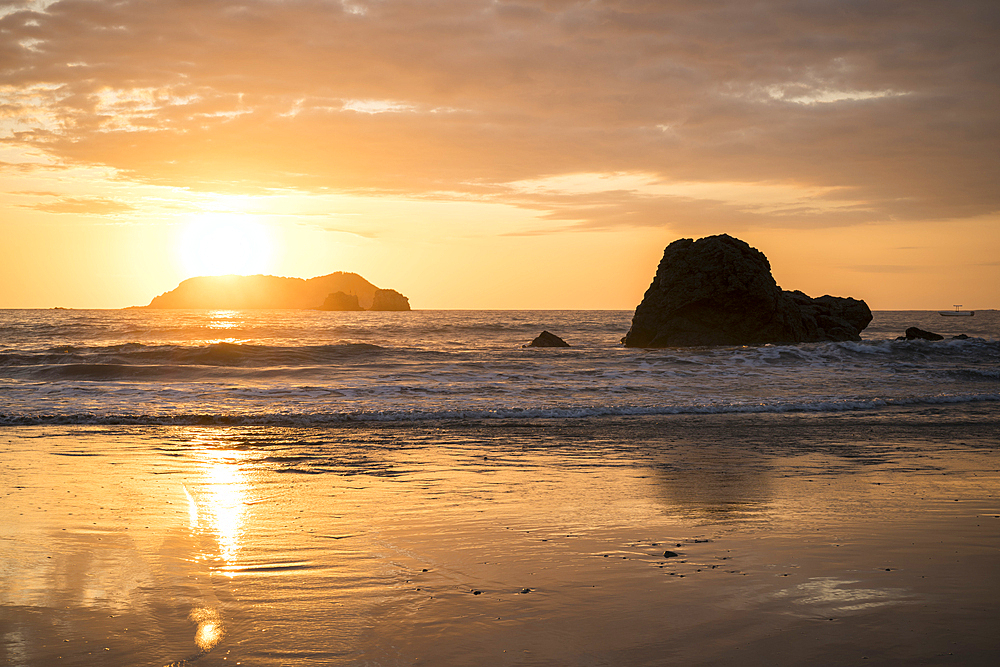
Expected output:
{"points": [[224, 319]]}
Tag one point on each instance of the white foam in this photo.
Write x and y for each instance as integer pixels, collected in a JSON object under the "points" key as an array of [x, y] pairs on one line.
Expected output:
{"points": [[288, 416]]}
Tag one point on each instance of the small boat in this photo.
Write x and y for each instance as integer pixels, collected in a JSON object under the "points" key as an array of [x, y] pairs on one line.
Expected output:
{"points": [[957, 312]]}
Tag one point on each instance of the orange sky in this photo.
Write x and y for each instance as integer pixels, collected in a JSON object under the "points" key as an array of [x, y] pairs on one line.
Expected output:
{"points": [[490, 154]]}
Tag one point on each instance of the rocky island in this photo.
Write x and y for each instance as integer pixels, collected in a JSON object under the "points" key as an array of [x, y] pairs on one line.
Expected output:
{"points": [[335, 291], [719, 291]]}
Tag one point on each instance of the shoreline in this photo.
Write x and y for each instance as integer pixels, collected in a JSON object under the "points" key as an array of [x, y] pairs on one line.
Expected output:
{"points": [[980, 407], [800, 539]]}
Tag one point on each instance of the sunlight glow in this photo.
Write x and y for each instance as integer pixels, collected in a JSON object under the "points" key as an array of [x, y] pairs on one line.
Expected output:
{"points": [[216, 244]]}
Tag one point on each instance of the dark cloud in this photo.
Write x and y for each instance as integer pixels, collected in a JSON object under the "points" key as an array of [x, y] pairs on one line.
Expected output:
{"points": [[893, 103]]}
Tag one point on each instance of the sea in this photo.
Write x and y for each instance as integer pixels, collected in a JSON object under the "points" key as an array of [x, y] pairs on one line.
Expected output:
{"points": [[274, 488], [311, 368]]}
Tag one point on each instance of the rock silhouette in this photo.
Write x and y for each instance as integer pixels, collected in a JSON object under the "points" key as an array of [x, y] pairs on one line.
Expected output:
{"points": [[719, 291], [913, 333], [258, 292], [389, 299], [546, 339], [341, 301]]}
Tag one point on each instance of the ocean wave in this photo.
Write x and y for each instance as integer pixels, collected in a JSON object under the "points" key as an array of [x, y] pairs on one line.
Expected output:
{"points": [[973, 373], [214, 354], [477, 415], [833, 353], [260, 355]]}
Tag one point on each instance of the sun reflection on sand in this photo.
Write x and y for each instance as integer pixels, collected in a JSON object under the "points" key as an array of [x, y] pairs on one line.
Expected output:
{"points": [[210, 630], [220, 508], [227, 502], [217, 507]]}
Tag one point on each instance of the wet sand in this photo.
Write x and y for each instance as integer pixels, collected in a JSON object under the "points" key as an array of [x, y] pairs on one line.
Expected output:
{"points": [[830, 539]]}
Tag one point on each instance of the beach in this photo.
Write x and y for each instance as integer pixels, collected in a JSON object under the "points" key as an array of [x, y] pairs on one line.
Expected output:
{"points": [[534, 333], [844, 538]]}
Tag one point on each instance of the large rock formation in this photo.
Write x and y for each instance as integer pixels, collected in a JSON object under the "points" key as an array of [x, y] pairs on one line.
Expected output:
{"points": [[389, 299], [250, 292], [719, 291]]}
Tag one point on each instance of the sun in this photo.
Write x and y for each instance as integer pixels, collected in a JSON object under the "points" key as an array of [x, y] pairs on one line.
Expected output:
{"points": [[217, 244]]}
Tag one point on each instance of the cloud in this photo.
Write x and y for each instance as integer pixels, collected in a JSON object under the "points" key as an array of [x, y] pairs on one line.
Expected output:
{"points": [[376, 106], [83, 206], [36, 193], [890, 106], [889, 268]]}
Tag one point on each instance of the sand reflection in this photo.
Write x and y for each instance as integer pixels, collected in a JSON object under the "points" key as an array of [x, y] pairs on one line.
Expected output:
{"points": [[840, 595], [718, 487]]}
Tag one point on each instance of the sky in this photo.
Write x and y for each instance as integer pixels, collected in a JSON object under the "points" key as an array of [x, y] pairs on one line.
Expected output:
{"points": [[491, 154]]}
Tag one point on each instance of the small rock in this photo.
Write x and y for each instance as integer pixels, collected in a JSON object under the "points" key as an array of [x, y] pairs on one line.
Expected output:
{"points": [[477, 592], [913, 333], [546, 339], [960, 337], [670, 554], [525, 591]]}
